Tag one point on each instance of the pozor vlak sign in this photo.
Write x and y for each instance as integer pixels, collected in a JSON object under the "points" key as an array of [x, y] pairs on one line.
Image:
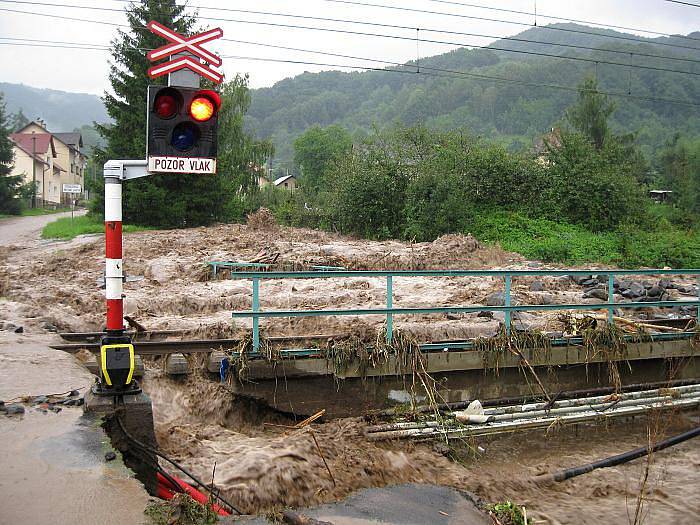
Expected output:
{"points": [[181, 165], [182, 122]]}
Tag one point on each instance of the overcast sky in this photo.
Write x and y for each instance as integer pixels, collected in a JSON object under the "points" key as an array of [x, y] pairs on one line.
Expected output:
{"points": [[84, 70]]}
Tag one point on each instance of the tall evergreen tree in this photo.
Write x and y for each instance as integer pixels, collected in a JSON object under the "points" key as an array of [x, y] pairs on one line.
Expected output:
{"points": [[160, 200], [9, 184], [590, 114]]}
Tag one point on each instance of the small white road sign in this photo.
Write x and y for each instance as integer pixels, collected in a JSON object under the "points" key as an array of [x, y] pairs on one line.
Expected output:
{"points": [[182, 165], [72, 188]]}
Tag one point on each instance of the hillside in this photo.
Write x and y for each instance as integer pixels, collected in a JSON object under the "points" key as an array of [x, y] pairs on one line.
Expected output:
{"points": [[514, 113], [61, 110]]}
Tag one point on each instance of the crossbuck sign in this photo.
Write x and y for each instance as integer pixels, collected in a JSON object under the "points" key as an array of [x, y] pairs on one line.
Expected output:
{"points": [[179, 44]]}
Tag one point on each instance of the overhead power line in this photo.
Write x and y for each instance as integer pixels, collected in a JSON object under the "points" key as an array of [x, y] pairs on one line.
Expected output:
{"points": [[404, 68], [683, 3], [512, 22], [443, 31], [378, 35], [491, 8], [563, 19]]}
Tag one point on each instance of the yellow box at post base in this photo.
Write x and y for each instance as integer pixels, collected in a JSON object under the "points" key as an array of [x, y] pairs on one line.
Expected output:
{"points": [[103, 361]]}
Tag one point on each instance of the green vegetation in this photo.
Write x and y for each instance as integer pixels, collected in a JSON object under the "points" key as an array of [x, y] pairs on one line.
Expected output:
{"points": [[33, 212], [67, 228], [315, 151], [508, 513], [565, 243], [181, 510], [511, 114], [582, 198]]}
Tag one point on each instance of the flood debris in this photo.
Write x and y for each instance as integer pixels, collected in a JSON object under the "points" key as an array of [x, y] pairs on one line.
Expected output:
{"points": [[476, 421]]}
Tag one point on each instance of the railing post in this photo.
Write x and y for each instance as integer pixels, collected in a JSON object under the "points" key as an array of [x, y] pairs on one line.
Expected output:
{"points": [[256, 319], [213, 271], [507, 303], [611, 298], [389, 305]]}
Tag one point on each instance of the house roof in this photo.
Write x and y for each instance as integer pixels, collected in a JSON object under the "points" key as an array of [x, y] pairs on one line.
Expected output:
{"points": [[74, 139], [28, 151], [26, 141], [283, 179]]}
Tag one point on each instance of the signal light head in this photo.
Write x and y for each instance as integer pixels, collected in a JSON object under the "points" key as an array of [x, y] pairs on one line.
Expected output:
{"points": [[166, 106], [202, 108]]}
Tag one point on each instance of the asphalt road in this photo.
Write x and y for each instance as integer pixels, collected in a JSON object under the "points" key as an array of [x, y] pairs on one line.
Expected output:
{"points": [[21, 231]]}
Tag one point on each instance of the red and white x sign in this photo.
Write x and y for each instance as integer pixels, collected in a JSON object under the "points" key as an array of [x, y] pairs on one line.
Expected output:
{"points": [[180, 43]]}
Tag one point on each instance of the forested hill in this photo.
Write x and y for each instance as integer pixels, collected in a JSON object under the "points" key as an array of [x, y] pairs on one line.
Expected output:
{"points": [[515, 113]]}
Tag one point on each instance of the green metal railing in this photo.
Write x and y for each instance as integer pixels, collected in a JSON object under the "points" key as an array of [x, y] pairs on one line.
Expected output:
{"points": [[508, 308], [237, 266]]}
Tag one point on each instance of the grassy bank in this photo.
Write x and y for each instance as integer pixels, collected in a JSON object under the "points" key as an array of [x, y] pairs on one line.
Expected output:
{"points": [[550, 241], [33, 212], [64, 228]]}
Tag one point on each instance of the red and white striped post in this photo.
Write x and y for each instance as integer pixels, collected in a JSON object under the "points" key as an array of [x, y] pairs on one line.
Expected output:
{"points": [[114, 273]]}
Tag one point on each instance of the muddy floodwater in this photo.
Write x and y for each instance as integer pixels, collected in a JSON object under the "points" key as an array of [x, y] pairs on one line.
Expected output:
{"points": [[262, 467], [52, 464]]}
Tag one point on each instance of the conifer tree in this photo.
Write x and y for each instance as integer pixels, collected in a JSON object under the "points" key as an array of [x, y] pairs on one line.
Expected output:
{"points": [[9, 184], [590, 114]]}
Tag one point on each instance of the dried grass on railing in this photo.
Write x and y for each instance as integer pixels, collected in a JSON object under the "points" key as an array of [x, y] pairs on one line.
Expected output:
{"points": [[494, 349]]}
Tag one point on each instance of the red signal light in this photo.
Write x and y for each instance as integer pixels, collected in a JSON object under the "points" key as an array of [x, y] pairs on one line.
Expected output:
{"points": [[202, 108], [166, 106]]}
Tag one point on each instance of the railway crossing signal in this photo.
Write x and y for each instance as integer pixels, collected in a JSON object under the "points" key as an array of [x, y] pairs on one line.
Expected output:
{"points": [[182, 130], [181, 137]]}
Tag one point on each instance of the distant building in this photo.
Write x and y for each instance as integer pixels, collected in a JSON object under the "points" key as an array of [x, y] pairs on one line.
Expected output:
{"points": [[660, 195], [288, 182], [35, 160], [68, 163], [551, 140]]}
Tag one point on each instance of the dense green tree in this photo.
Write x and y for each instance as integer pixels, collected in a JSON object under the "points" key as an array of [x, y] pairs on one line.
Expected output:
{"points": [[314, 152], [367, 188], [589, 115], [594, 188], [679, 164], [9, 184], [240, 157]]}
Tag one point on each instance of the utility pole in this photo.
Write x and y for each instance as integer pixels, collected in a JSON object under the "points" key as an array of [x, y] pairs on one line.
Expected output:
{"points": [[33, 170]]}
